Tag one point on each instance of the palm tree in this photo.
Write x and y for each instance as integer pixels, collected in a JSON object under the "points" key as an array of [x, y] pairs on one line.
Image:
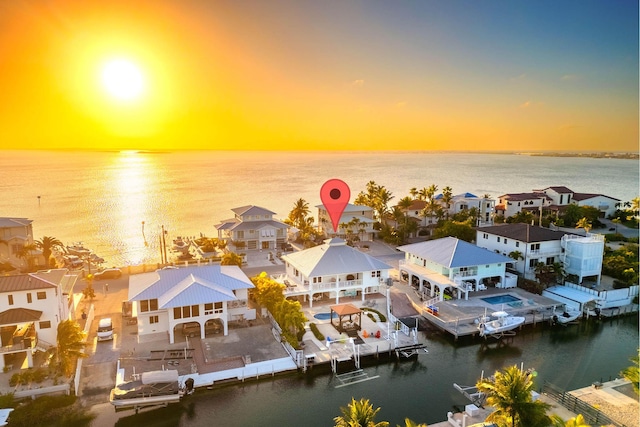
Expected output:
{"points": [[616, 221], [89, 292], [231, 258], [26, 253], [299, 213], [631, 372], [411, 423], [509, 393], [585, 224], [359, 413], [577, 421], [71, 344], [413, 192], [47, 244], [447, 196]]}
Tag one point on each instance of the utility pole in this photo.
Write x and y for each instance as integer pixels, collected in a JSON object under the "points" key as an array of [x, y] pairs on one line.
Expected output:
{"points": [[164, 245]]}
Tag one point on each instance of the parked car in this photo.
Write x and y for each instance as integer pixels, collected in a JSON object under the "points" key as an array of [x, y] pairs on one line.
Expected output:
{"points": [[108, 273], [105, 329]]}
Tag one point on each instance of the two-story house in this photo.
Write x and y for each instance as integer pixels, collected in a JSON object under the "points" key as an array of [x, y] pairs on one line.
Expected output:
{"points": [[15, 234], [333, 270], [356, 220], [452, 266], [165, 300], [511, 204], [31, 307], [532, 245], [253, 227]]}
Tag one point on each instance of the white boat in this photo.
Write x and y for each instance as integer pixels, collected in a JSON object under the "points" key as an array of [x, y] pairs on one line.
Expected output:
{"points": [[78, 250], [72, 261], [151, 388], [565, 316], [504, 322], [4, 416], [179, 244]]}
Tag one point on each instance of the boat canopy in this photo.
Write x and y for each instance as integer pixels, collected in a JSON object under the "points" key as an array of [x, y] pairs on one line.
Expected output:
{"points": [[153, 377]]}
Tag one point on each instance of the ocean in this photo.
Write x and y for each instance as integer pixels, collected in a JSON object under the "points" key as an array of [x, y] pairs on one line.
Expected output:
{"points": [[117, 202]]}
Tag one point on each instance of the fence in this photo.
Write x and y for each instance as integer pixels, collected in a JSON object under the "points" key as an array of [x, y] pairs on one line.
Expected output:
{"points": [[592, 415]]}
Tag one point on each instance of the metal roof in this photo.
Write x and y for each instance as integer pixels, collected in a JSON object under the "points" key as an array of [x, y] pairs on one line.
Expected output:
{"points": [[452, 253], [252, 210], [14, 316], [189, 285], [332, 258], [6, 222], [24, 282], [523, 232]]}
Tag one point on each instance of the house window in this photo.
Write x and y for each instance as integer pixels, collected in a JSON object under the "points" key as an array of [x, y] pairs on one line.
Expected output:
{"points": [[240, 234], [532, 263], [550, 260], [485, 236], [498, 239], [517, 244], [29, 297], [153, 319], [10, 297], [208, 308], [505, 241], [177, 313], [375, 273], [149, 305], [45, 324], [535, 246], [217, 307], [41, 295], [317, 280]]}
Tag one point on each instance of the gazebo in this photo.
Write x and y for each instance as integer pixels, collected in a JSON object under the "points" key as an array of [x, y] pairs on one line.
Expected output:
{"points": [[349, 317]]}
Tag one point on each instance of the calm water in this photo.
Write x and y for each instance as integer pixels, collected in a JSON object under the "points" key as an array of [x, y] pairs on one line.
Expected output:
{"points": [[102, 199], [570, 357]]}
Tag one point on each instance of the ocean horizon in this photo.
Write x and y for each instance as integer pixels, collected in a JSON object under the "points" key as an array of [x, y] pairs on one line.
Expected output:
{"points": [[103, 198]]}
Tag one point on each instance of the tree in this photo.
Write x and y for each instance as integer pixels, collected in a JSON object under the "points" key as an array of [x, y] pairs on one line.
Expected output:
{"points": [[410, 423], [585, 224], [577, 421], [47, 244], [26, 253], [359, 413], [298, 215], [509, 393], [447, 196], [71, 342], [231, 258], [89, 292], [631, 373], [268, 292], [517, 255], [460, 230]]}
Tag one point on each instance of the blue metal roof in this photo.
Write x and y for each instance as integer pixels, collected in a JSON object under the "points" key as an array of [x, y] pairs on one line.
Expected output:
{"points": [[453, 253]]}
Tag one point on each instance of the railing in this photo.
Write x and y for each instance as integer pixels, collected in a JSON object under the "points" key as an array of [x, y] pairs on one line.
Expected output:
{"points": [[592, 415]]}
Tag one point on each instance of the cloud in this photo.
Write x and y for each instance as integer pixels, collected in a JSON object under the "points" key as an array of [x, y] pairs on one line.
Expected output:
{"points": [[358, 83], [525, 104]]}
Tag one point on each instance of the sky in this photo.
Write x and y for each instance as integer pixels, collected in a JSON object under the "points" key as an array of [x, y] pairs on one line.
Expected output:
{"points": [[455, 75]]}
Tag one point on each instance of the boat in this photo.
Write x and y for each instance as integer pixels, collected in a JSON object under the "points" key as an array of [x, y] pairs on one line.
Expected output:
{"points": [[72, 261], [96, 259], [504, 322], [4, 416], [151, 388], [78, 250], [179, 244], [562, 317]]}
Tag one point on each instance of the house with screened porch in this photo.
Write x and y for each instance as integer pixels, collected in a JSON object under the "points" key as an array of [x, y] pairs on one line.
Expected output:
{"points": [[452, 267]]}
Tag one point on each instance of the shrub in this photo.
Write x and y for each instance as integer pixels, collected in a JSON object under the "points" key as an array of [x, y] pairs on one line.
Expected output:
{"points": [[316, 332]]}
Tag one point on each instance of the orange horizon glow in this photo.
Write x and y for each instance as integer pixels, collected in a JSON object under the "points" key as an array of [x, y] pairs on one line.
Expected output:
{"points": [[216, 77]]}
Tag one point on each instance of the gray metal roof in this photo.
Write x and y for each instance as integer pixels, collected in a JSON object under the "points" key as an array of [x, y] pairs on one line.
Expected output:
{"points": [[7, 222], [252, 210], [189, 285], [333, 257], [453, 253], [523, 232], [24, 282]]}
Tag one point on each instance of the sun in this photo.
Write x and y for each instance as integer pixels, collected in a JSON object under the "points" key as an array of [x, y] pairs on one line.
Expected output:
{"points": [[123, 80]]}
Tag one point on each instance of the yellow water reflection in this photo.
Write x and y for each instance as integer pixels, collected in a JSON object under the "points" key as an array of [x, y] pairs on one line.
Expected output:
{"points": [[133, 186]]}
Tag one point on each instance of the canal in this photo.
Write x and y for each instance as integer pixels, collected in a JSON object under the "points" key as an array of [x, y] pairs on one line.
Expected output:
{"points": [[570, 357]]}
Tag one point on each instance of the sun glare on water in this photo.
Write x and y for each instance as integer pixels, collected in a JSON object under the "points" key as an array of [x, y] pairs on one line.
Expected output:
{"points": [[123, 80]]}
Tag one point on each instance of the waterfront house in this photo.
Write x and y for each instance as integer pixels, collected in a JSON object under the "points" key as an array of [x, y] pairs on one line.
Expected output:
{"points": [[31, 307], [554, 199], [212, 295], [15, 234], [254, 228], [466, 201], [580, 255], [453, 267], [332, 271], [356, 220]]}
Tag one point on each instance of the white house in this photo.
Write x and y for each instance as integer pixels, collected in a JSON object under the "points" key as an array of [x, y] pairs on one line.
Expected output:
{"points": [[333, 270], [511, 204], [542, 245], [15, 234], [355, 219], [450, 264], [254, 227], [165, 300], [465, 201], [31, 307]]}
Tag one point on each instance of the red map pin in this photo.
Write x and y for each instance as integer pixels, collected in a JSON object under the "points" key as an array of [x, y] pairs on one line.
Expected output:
{"points": [[335, 196]]}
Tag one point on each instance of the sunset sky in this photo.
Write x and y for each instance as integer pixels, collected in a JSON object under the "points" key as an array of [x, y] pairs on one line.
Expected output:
{"points": [[302, 74]]}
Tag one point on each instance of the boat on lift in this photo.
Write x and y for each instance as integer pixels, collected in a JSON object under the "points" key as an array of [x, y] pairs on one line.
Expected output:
{"points": [[152, 388], [503, 323]]}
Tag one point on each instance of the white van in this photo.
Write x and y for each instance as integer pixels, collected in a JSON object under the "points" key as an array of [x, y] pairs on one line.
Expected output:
{"points": [[105, 329]]}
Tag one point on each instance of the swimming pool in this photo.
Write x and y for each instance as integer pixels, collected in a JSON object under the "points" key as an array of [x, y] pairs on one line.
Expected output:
{"points": [[499, 299], [325, 316]]}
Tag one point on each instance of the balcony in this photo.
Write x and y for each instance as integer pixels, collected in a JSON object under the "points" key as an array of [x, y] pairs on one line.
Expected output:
{"points": [[23, 338]]}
